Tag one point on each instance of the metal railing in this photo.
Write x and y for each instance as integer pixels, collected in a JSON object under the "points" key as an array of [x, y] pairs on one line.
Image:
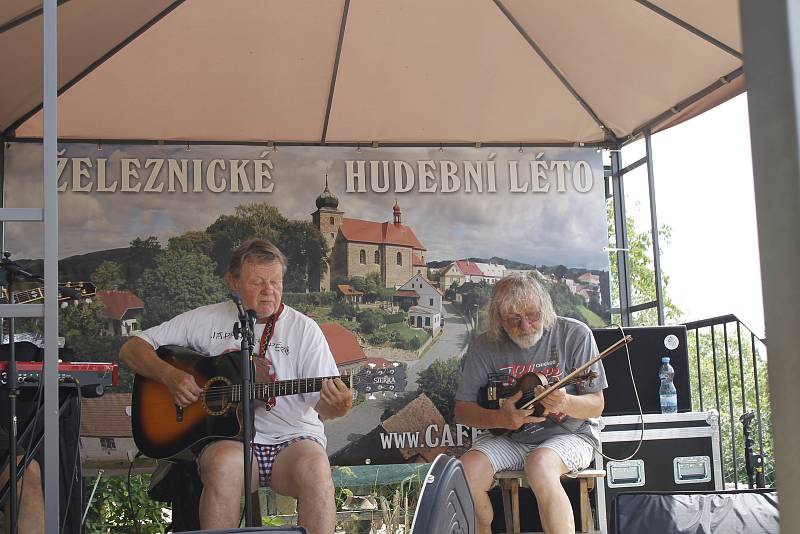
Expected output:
{"points": [[728, 372]]}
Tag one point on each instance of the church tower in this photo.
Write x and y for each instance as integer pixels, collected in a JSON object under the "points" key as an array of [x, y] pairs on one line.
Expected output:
{"points": [[327, 219]]}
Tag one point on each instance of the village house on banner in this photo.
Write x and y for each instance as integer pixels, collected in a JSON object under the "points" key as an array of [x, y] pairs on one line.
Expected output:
{"points": [[359, 247]]}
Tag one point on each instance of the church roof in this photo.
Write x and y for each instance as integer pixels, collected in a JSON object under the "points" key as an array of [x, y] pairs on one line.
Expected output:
{"points": [[385, 233]]}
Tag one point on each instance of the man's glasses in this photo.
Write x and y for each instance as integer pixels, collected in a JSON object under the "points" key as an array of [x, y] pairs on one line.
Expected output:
{"points": [[516, 319]]}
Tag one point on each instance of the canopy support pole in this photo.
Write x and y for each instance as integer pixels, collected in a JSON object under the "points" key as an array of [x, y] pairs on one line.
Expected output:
{"points": [[50, 203], [771, 37]]}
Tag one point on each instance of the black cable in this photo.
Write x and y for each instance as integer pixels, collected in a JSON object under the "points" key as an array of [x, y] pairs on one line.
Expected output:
{"points": [[39, 396], [134, 519], [75, 462]]}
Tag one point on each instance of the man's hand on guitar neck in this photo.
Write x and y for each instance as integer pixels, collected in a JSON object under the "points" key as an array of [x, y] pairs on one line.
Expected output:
{"points": [[335, 399]]}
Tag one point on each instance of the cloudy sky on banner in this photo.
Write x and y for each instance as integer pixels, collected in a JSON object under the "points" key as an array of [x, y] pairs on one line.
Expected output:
{"points": [[555, 227]]}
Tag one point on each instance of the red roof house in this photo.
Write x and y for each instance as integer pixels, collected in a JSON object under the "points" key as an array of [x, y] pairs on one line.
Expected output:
{"points": [[343, 344]]}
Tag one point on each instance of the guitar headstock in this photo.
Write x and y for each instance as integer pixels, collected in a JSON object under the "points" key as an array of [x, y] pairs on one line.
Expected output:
{"points": [[87, 290], [375, 379]]}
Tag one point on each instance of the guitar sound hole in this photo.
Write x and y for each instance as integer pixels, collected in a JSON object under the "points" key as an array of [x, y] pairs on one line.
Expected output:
{"points": [[217, 395]]}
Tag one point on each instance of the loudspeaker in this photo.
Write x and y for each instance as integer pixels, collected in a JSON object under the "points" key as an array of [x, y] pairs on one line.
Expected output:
{"points": [[30, 415], [731, 512], [24, 351], [445, 504], [648, 346], [253, 530]]}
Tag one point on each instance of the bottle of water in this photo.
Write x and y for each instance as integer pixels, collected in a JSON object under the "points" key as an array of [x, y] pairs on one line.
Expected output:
{"points": [[668, 393]]}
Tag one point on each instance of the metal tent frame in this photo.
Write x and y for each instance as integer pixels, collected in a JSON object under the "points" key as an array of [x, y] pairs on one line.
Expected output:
{"points": [[772, 31]]}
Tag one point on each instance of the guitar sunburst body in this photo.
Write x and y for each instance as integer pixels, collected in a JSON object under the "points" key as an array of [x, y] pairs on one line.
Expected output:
{"points": [[162, 430]]}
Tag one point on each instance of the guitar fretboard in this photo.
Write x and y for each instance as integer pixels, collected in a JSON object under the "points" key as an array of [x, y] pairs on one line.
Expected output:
{"points": [[280, 388]]}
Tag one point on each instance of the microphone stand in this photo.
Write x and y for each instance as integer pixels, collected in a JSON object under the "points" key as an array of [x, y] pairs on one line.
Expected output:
{"points": [[245, 327]]}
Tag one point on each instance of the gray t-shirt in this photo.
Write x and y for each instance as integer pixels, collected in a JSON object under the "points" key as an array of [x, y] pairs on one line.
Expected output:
{"points": [[564, 347]]}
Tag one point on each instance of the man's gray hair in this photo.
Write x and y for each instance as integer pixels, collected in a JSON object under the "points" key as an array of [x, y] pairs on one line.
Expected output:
{"points": [[255, 250], [518, 292]]}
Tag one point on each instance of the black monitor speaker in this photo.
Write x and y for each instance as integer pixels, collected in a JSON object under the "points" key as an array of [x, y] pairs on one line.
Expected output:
{"points": [[445, 504], [649, 345], [731, 512]]}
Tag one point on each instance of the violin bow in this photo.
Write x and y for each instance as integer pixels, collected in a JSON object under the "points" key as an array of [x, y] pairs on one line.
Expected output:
{"points": [[610, 350]]}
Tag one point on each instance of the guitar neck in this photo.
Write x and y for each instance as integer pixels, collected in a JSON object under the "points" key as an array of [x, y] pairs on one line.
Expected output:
{"points": [[281, 388]]}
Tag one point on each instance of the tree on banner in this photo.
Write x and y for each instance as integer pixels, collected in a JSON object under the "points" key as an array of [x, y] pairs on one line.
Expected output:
{"points": [[177, 283], [301, 242]]}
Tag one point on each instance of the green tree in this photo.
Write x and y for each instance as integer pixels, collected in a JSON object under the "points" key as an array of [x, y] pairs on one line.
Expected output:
{"points": [[370, 321], [439, 382], [108, 275], [85, 331], [373, 286], [141, 255], [343, 309], [304, 247], [199, 242], [564, 302], [743, 372], [300, 241], [112, 507], [641, 270], [177, 283]]}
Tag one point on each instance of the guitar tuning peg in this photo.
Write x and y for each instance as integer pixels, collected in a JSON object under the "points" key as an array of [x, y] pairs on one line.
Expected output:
{"points": [[371, 396], [395, 364], [371, 365]]}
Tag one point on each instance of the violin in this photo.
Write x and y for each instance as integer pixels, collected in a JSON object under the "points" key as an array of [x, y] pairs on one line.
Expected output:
{"points": [[492, 396]]}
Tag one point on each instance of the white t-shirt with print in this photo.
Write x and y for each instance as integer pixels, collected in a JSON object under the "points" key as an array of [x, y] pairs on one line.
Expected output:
{"points": [[298, 349]]}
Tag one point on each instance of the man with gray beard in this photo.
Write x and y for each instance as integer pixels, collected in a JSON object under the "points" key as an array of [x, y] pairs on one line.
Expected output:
{"points": [[524, 336]]}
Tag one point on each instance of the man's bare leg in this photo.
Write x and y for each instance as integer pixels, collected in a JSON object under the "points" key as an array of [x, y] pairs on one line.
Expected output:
{"points": [[480, 477], [302, 471], [543, 469], [221, 471], [31, 500]]}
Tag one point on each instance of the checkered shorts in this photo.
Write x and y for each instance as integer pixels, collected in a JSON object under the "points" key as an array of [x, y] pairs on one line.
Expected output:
{"points": [[265, 456]]}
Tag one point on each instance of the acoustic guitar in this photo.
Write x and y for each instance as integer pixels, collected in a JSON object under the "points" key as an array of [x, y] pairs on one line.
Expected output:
{"points": [[163, 430]]}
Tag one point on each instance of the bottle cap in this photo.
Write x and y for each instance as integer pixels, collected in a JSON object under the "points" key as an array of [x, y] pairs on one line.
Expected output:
{"points": [[665, 359]]}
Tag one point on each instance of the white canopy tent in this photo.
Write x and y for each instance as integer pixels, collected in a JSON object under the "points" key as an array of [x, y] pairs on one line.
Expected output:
{"points": [[350, 71], [415, 72]]}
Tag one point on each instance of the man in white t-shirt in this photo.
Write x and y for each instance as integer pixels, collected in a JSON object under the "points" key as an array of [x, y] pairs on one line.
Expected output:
{"points": [[289, 441]]}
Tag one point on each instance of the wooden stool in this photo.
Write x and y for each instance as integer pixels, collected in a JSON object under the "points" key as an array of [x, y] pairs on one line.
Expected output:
{"points": [[509, 485]]}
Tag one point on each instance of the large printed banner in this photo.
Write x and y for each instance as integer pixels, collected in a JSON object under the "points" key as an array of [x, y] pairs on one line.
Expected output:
{"points": [[393, 251]]}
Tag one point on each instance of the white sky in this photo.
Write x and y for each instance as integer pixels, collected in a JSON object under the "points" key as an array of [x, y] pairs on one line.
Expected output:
{"points": [[704, 191]]}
